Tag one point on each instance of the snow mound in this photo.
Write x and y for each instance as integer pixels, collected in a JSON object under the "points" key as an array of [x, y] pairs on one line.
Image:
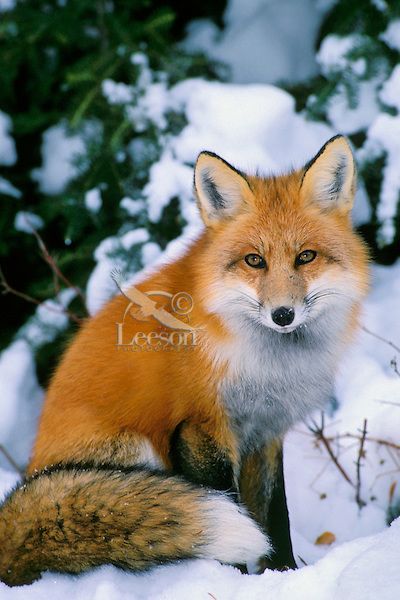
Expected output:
{"points": [[260, 41]]}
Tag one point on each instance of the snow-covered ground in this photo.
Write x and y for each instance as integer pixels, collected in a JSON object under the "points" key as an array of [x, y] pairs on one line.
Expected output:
{"points": [[253, 126]]}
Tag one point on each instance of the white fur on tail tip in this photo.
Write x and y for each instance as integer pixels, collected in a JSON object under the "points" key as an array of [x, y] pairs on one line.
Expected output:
{"points": [[234, 536]]}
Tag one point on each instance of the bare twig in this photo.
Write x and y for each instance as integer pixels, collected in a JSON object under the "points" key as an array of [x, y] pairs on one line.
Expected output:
{"points": [[58, 276], [392, 403], [361, 455], [382, 339], [57, 273], [393, 364], [367, 439], [8, 289], [10, 459], [318, 431]]}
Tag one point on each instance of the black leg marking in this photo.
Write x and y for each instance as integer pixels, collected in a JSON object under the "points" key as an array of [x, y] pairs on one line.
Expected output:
{"points": [[196, 456]]}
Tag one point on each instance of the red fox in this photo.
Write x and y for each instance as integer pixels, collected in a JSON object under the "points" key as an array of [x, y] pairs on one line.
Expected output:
{"points": [[145, 456]]}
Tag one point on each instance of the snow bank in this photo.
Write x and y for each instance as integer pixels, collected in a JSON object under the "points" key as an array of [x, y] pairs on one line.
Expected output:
{"points": [[262, 41], [21, 399]]}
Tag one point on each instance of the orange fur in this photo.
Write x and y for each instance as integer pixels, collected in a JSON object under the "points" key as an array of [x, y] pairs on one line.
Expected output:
{"points": [[99, 391]]}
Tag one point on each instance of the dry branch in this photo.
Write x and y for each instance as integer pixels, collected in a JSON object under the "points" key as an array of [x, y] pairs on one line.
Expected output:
{"points": [[318, 431], [10, 459], [382, 339], [361, 455], [8, 289], [58, 276]]}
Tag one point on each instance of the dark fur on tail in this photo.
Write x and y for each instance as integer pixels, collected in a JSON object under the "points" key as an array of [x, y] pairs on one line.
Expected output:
{"points": [[72, 518]]}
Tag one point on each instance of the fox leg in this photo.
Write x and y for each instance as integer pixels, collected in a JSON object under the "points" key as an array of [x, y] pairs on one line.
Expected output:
{"points": [[262, 490], [201, 459]]}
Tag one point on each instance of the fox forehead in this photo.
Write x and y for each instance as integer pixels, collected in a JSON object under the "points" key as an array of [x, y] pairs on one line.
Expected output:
{"points": [[278, 222]]}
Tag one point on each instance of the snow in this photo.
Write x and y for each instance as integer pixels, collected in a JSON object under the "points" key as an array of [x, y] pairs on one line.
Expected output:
{"points": [[390, 92], [150, 107], [117, 93], [332, 55], [150, 253], [262, 41], [132, 207], [7, 5], [382, 128], [8, 153], [168, 178], [101, 286], [9, 189], [392, 35], [252, 126], [384, 136], [349, 120], [59, 152], [27, 221], [48, 320], [136, 236], [21, 399], [93, 201]]}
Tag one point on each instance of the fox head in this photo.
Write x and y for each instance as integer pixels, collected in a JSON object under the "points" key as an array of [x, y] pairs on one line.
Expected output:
{"points": [[281, 252]]}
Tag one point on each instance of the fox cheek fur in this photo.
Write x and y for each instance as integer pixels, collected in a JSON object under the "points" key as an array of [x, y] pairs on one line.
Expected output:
{"points": [[144, 458], [300, 228]]}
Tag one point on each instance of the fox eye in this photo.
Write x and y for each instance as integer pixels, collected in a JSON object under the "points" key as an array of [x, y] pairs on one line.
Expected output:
{"points": [[255, 260], [305, 257]]}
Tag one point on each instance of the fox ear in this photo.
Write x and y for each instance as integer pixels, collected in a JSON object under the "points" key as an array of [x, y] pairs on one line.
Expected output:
{"points": [[329, 179], [221, 190]]}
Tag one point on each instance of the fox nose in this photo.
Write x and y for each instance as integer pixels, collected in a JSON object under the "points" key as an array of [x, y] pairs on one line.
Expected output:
{"points": [[284, 315]]}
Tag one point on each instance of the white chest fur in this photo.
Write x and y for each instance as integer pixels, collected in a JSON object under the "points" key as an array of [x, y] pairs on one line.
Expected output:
{"points": [[275, 380]]}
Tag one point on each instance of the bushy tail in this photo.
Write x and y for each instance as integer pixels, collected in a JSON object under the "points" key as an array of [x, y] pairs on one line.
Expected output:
{"points": [[69, 519]]}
